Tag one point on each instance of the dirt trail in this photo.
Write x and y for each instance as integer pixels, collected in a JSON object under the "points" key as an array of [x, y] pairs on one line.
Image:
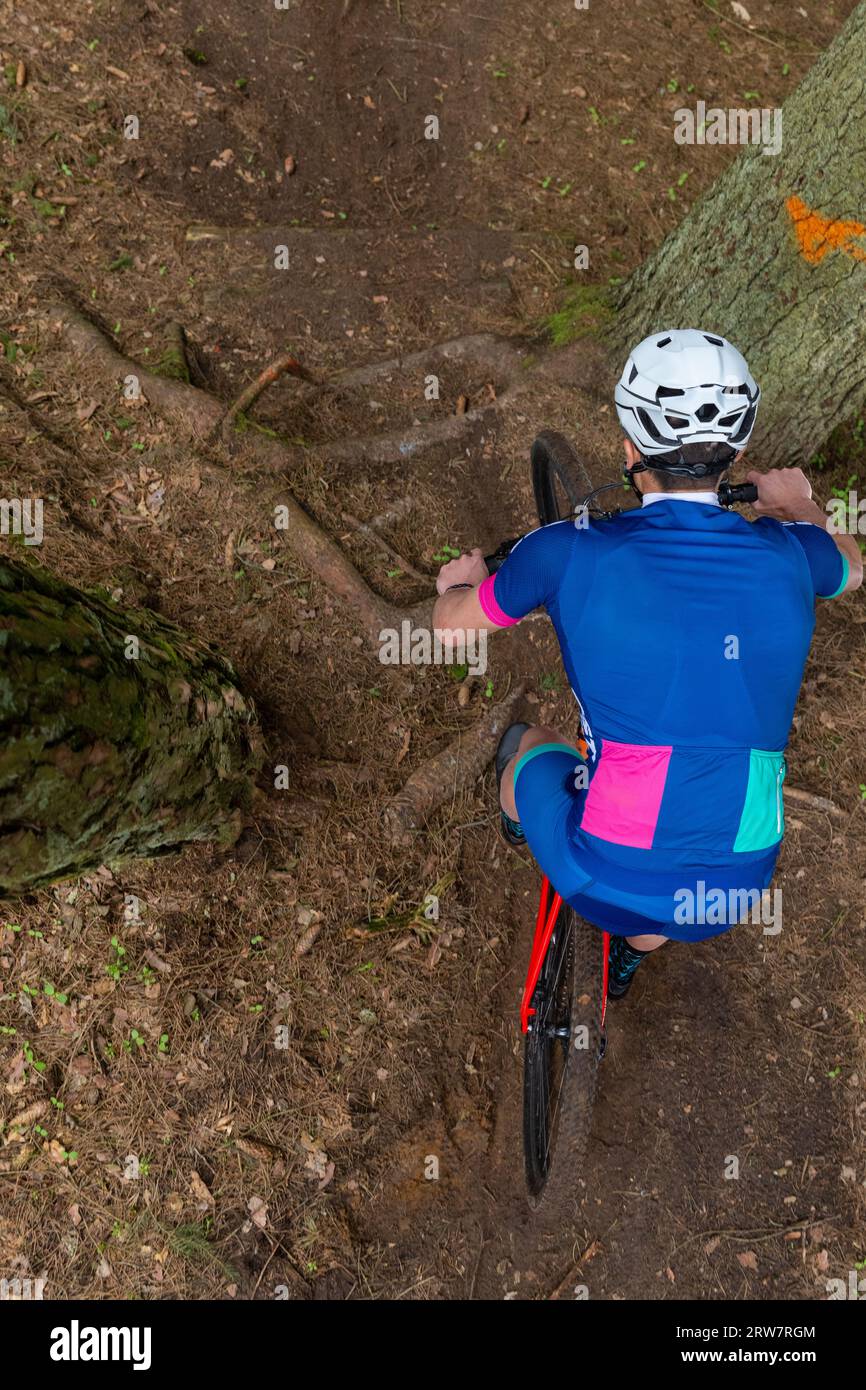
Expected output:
{"points": [[304, 127]]}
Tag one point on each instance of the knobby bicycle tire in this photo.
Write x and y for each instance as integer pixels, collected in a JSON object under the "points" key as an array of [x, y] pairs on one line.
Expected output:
{"points": [[561, 1057], [562, 1049], [555, 461]]}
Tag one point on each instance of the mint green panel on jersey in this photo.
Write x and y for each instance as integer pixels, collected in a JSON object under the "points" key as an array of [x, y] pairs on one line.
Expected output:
{"points": [[762, 823]]}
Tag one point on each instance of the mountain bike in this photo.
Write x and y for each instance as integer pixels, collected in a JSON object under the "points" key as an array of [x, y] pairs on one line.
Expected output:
{"points": [[564, 1001]]}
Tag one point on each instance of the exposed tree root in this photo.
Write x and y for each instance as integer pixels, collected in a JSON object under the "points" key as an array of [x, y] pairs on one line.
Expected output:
{"points": [[448, 773], [817, 803], [402, 444], [196, 412], [193, 411], [286, 365], [498, 354], [365, 528], [198, 415], [36, 419]]}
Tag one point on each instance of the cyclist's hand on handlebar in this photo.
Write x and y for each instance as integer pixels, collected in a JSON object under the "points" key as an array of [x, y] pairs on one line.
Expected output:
{"points": [[466, 569], [782, 492]]}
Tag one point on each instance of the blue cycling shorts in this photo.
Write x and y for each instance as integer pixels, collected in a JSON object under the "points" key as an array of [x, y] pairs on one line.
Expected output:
{"points": [[548, 793]]}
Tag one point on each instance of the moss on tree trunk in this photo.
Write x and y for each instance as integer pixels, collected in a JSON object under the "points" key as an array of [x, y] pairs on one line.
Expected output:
{"points": [[103, 754], [766, 258]]}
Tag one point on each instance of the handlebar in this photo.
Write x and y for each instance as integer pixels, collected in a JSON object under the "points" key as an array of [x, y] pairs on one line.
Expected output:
{"points": [[500, 555], [729, 495]]}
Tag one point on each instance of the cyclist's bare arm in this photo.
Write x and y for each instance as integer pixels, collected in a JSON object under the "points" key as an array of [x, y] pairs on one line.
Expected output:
{"points": [[460, 610], [786, 494]]}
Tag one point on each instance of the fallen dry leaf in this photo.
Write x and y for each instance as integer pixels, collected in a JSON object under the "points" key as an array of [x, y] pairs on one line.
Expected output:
{"points": [[258, 1210], [317, 1165], [748, 1259], [200, 1189]]}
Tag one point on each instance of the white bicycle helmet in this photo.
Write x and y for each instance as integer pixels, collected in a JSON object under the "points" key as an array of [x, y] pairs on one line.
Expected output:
{"points": [[683, 386]]}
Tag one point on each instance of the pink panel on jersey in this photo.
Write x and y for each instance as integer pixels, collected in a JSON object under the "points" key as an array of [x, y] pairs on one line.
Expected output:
{"points": [[625, 795], [487, 599]]}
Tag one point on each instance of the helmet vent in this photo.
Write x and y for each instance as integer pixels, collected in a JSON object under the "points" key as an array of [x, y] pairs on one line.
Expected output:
{"points": [[748, 420], [649, 425], [662, 342], [669, 391], [632, 374], [675, 422], [707, 412], [717, 342]]}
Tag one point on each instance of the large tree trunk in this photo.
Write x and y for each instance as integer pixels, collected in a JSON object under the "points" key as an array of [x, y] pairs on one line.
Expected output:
{"points": [[103, 755], [774, 257]]}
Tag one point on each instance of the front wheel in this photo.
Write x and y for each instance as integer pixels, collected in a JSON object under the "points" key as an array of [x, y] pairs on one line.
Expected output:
{"points": [[559, 479], [563, 1049]]}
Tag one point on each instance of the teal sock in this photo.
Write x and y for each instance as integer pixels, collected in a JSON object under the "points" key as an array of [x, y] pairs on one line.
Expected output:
{"points": [[513, 825], [624, 959]]}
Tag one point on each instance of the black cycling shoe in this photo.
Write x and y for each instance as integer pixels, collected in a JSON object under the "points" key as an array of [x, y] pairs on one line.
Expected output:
{"points": [[512, 830], [622, 964]]}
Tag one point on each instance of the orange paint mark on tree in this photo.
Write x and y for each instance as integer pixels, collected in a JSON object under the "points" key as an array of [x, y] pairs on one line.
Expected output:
{"points": [[819, 235]]}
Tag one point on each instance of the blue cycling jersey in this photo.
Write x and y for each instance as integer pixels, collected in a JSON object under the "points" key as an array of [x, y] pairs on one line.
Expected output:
{"points": [[684, 632]]}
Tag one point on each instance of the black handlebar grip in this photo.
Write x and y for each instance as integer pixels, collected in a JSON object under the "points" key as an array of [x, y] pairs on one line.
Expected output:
{"points": [[729, 493], [500, 555]]}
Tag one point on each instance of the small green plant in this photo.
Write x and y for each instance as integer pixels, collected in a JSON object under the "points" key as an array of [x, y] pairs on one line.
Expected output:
{"points": [[30, 1058], [49, 990], [446, 553], [715, 33], [117, 967]]}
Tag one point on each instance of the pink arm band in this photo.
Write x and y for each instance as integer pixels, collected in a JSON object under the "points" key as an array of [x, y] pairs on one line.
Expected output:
{"points": [[491, 608]]}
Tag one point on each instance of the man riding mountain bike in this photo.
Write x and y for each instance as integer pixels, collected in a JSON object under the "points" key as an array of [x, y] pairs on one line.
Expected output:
{"points": [[684, 631]]}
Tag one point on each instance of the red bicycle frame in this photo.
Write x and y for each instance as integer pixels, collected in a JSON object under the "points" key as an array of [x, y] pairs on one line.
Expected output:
{"points": [[544, 924]]}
